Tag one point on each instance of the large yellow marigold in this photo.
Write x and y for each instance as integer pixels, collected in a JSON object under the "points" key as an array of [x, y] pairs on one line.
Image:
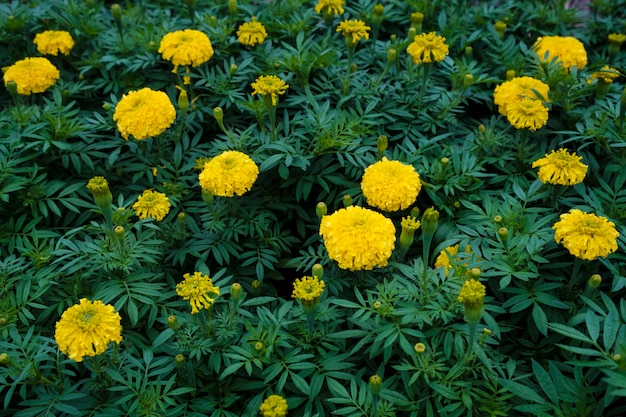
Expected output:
{"points": [[569, 51], [428, 47], [32, 75], [586, 235], [358, 238], [152, 204], [51, 42], [144, 113], [86, 329], [228, 174], [561, 167], [186, 47], [390, 185], [518, 89], [199, 290], [527, 113], [251, 33]]}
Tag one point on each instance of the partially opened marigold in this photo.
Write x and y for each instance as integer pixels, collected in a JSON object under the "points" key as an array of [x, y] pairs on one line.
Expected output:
{"points": [[269, 86], [199, 290], [606, 74], [561, 167], [228, 174], [152, 204], [32, 75], [186, 47], [390, 185], [144, 113], [569, 51], [308, 290], [586, 235], [251, 33], [274, 406], [86, 329], [354, 30], [428, 47], [51, 42], [330, 7]]}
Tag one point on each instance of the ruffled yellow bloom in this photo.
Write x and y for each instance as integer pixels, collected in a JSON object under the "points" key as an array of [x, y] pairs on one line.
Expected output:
{"points": [[390, 185], [561, 167], [274, 406], [186, 47], [586, 235], [228, 174], [51, 42], [269, 85], [569, 51], [330, 7], [358, 238], [144, 113], [448, 258], [152, 204], [527, 113], [428, 47], [199, 290], [472, 293], [251, 33], [308, 290], [606, 74], [518, 89], [86, 329], [32, 75], [354, 30]]}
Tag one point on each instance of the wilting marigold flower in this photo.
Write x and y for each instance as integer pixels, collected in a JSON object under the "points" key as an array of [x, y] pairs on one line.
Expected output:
{"points": [[449, 260], [152, 204], [86, 329], [428, 47], [586, 235], [330, 7], [308, 290], [51, 42], [606, 74], [274, 406], [144, 113], [527, 113], [32, 75], [199, 290], [186, 47], [354, 30], [269, 85], [251, 33], [561, 167], [228, 174], [358, 238], [390, 185], [518, 89], [569, 51]]}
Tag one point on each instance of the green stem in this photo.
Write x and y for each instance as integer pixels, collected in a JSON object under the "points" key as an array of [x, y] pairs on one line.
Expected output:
{"points": [[472, 338]]}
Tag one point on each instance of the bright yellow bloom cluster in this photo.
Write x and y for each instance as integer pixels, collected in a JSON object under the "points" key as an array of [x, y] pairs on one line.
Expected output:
{"points": [[527, 113], [274, 406], [228, 174], [586, 235], [569, 51], [561, 167], [32, 75], [390, 185], [354, 30], [358, 238], [448, 257], [152, 204], [428, 47], [144, 113], [472, 293], [308, 290], [51, 42], [251, 33], [186, 47], [330, 7], [606, 74], [199, 290], [520, 104], [86, 329], [269, 85]]}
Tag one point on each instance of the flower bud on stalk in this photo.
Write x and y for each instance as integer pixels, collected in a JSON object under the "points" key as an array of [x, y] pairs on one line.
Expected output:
{"points": [[321, 210], [236, 291], [595, 281], [172, 322]]}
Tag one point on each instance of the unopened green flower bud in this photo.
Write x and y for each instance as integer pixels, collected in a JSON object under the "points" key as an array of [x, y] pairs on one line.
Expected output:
{"points": [[347, 200], [503, 232], [207, 196], [381, 144], [181, 218], [617, 357], [430, 220], [392, 55], [468, 80], [486, 332], [482, 128], [417, 18], [3, 320], [415, 212], [510, 74], [116, 11], [218, 113], [106, 106], [497, 218], [99, 188], [377, 305], [256, 286], [233, 69], [179, 360], [321, 210], [500, 28], [595, 281], [419, 348], [444, 162], [376, 384], [393, 38], [172, 322], [379, 9], [12, 87], [183, 101], [469, 50], [474, 273], [236, 291], [317, 271], [5, 359], [232, 6], [258, 346], [412, 34], [119, 232]]}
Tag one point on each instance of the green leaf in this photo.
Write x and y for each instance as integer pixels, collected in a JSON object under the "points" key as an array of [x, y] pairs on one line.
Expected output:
{"points": [[611, 327], [569, 332], [541, 321], [593, 325], [521, 391], [545, 382]]}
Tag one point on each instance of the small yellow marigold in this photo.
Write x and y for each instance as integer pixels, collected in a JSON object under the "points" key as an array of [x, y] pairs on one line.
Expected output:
{"points": [[586, 235], [186, 47], [199, 290], [354, 30], [269, 85], [472, 293], [561, 167], [228, 174], [274, 406], [152, 204], [308, 290], [390, 185], [51, 42], [251, 33], [606, 74], [358, 238], [428, 47], [98, 186], [518, 89], [569, 51], [448, 258], [527, 113], [32, 75], [617, 39], [330, 7], [410, 224], [86, 329], [144, 113]]}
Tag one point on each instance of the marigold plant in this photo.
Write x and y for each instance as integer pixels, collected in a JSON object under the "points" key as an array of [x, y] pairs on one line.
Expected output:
{"points": [[567, 50], [228, 174], [32, 75], [390, 185], [251, 33], [428, 47], [186, 47], [53, 42], [144, 113], [152, 204], [199, 290], [561, 167], [585, 235]]}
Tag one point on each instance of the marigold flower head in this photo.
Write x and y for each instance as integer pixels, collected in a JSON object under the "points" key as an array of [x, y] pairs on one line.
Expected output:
{"points": [[186, 47], [449, 258], [199, 290], [228, 174], [561, 167], [410, 224], [586, 235], [51, 42], [86, 329], [617, 39], [569, 51], [99, 188], [330, 7], [251, 33], [32, 75], [358, 238], [428, 47], [527, 113], [390, 185], [144, 113], [152, 204], [472, 293], [354, 30], [606, 74], [518, 89], [274, 406], [308, 290], [269, 85]]}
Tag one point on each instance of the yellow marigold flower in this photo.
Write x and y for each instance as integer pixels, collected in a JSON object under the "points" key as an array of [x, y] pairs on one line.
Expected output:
{"points": [[269, 85], [251, 33], [354, 30], [199, 290], [410, 224], [228, 174], [390, 185], [99, 188], [617, 39], [186, 47], [472, 293], [569, 51], [86, 329], [144, 113], [527, 113], [428, 47], [32, 75], [330, 7], [606, 74], [448, 258], [152, 204], [308, 290], [358, 238], [586, 235], [561, 167], [274, 406], [51, 42], [517, 89]]}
